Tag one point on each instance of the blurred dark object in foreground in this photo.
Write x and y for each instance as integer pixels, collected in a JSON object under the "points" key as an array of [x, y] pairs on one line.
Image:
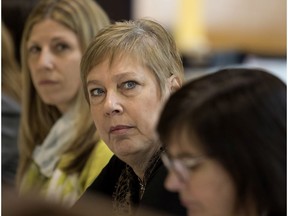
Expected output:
{"points": [[33, 205]]}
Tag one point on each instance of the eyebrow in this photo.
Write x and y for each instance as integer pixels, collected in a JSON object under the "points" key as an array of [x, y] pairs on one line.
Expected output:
{"points": [[126, 73], [92, 82], [54, 39], [116, 77]]}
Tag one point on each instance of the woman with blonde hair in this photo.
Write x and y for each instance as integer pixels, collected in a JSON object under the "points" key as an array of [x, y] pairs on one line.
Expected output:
{"points": [[128, 72], [11, 76], [60, 151]]}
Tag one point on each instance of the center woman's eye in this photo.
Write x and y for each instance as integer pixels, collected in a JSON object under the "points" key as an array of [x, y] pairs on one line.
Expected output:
{"points": [[96, 92], [129, 84]]}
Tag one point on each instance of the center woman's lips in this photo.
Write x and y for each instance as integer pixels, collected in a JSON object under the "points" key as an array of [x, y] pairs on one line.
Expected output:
{"points": [[119, 129]]}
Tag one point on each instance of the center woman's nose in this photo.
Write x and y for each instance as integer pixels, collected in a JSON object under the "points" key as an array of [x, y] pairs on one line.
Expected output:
{"points": [[112, 104]]}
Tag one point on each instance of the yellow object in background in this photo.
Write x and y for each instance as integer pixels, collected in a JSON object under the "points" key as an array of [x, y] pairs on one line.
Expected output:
{"points": [[249, 26], [190, 32]]}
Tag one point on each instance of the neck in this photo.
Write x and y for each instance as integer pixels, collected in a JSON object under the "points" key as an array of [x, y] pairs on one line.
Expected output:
{"points": [[140, 163]]}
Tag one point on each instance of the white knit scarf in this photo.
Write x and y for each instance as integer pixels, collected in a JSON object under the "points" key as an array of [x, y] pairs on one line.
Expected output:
{"points": [[48, 154]]}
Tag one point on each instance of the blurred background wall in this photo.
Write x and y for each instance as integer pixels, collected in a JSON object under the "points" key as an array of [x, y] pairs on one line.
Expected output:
{"points": [[221, 33], [209, 33]]}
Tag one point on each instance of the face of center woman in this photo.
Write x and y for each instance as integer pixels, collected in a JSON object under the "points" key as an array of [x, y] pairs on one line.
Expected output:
{"points": [[54, 56], [125, 103]]}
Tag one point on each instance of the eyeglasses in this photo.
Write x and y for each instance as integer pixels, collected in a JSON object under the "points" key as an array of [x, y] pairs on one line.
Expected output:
{"points": [[182, 167]]}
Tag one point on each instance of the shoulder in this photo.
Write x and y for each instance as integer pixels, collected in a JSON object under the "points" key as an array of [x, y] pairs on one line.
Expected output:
{"points": [[106, 180], [115, 164], [9, 105], [158, 197], [98, 159], [31, 178]]}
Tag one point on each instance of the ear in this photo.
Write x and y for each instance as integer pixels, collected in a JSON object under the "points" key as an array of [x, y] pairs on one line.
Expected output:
{"points": [[174, 83]]}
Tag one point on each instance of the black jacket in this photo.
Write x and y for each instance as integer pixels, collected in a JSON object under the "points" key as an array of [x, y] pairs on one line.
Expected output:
{"points": [[155, 195]]}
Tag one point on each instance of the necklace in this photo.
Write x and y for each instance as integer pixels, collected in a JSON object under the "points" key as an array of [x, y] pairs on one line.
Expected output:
{"points": [[150, 168], [142, 188]]}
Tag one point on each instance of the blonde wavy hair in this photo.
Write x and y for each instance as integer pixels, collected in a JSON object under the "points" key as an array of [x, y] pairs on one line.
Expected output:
{"points": [[85, 18], [11, 76]]}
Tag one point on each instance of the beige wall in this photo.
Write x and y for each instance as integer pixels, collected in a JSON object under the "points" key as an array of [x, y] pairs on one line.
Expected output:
{"points": [[202, 26], [251, 25]]}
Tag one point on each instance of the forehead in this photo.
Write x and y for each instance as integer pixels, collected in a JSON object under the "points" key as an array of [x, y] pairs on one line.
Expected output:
{"points": [[122, 63], [50, 28]]}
